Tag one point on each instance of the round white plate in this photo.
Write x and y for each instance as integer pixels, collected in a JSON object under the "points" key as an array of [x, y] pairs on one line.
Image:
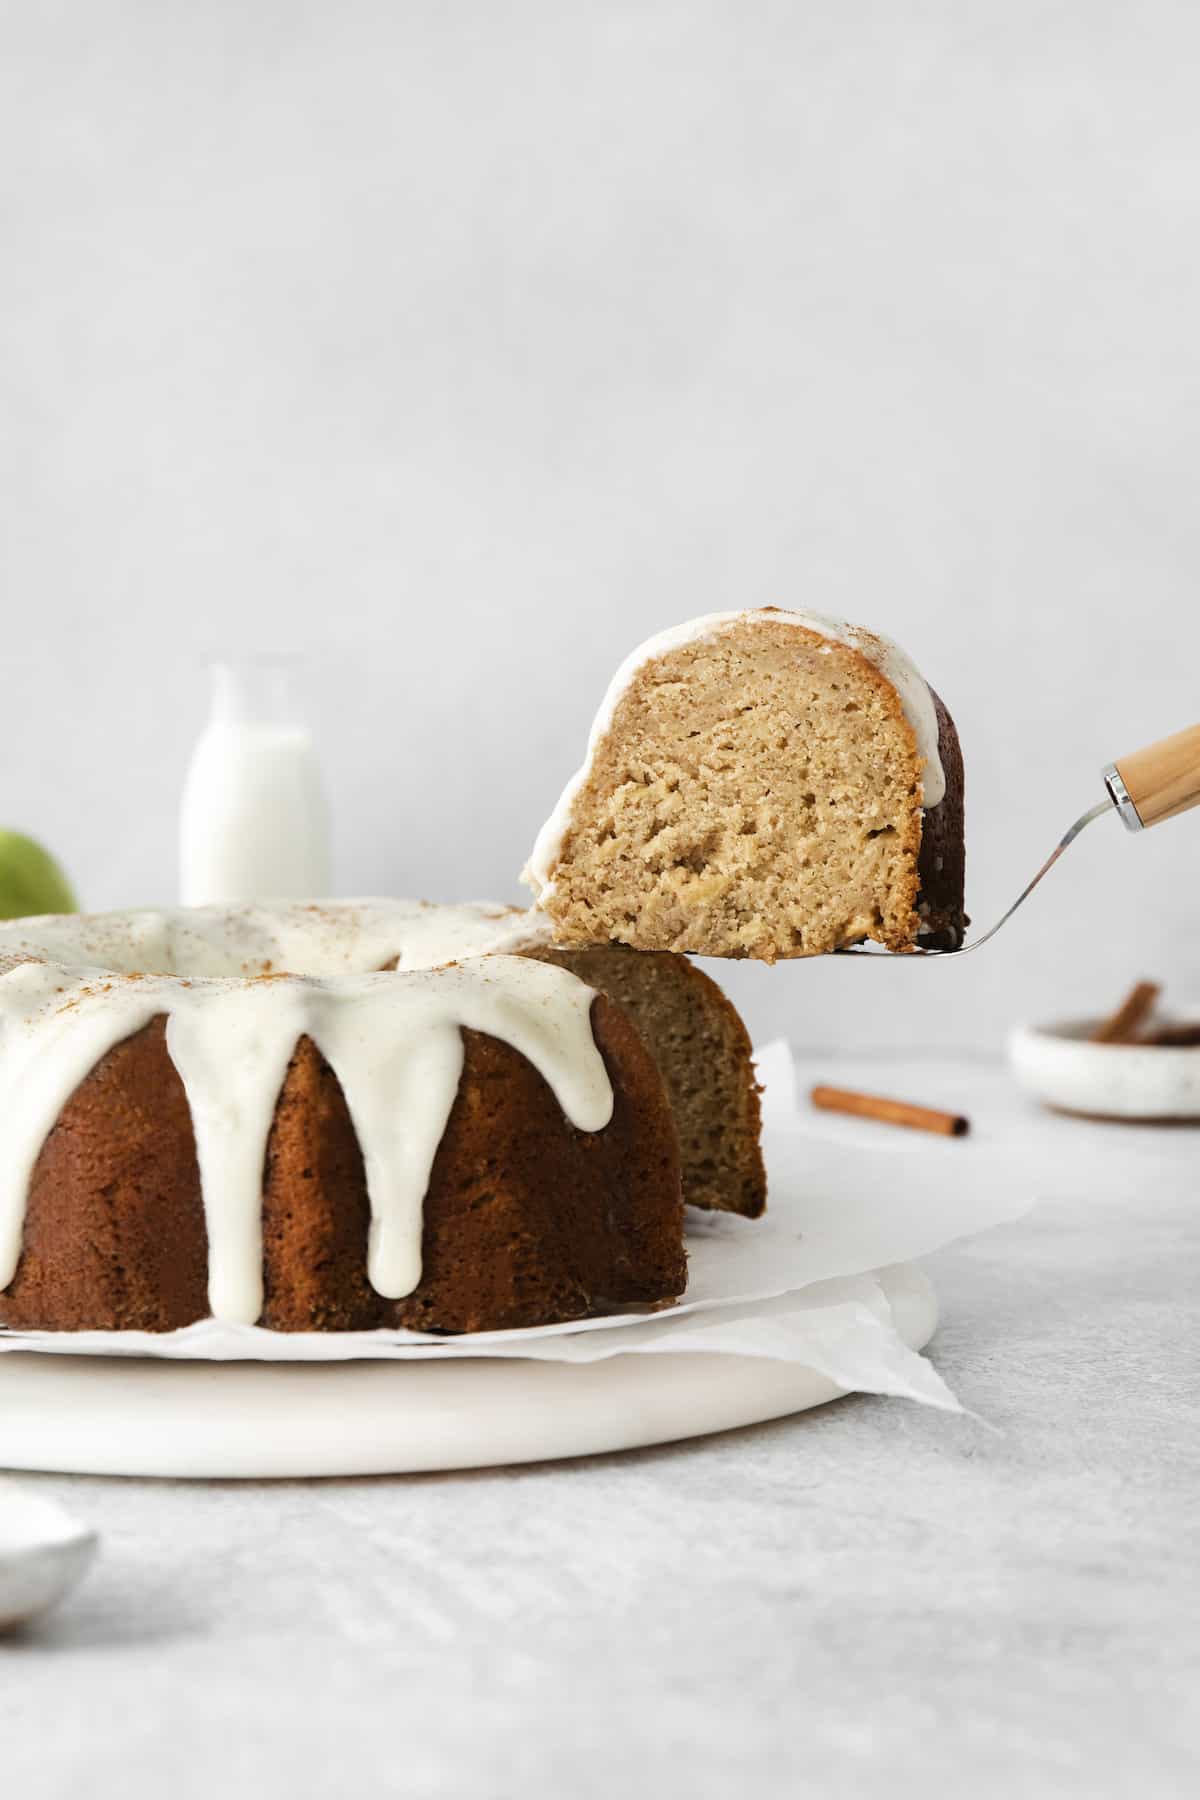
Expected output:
{"points": [[1058, 1065], [123, 1416]]}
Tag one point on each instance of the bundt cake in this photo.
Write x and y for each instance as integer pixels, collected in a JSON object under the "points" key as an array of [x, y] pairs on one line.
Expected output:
{"points": [[475, 1145], [766, 784], [312, 1118]]}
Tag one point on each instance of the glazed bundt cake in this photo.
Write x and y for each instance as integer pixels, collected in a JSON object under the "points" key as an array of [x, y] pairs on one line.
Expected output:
{"points": [[766, 784], [311, 1118]]}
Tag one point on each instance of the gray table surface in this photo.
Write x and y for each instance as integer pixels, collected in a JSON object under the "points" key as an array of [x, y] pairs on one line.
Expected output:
{"points": [[868, 1599]]}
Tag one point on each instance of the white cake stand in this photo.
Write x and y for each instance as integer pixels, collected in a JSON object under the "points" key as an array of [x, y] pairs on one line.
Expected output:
{"points": [[255, 1421]]}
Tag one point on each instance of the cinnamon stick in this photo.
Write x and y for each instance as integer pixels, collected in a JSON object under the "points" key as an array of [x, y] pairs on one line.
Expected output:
{"points": [[1123, 1026], [1177, 1037], [890, 1112]]}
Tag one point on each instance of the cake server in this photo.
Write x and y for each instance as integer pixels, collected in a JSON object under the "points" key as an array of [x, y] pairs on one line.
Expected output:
{"points": [[1144, 788]]}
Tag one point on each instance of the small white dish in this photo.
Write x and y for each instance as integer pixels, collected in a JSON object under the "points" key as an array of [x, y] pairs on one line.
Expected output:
{"points": [[44, 1552], [1059, 1065]]}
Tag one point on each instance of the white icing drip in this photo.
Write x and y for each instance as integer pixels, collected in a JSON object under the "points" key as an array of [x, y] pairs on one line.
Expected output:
{"points": [[888, 658], [400, 1086], [231, 1043], [394, 1041]]}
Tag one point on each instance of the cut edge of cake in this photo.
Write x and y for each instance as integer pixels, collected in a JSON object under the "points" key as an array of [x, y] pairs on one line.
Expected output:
{"points": [[760, 784]]}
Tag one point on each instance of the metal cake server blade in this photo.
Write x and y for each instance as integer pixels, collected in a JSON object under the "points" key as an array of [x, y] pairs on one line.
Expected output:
{"points": [[1144, 788]]}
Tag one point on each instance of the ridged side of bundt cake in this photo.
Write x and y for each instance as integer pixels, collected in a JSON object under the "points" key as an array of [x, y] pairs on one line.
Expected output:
{"points": [[526, 1217]]}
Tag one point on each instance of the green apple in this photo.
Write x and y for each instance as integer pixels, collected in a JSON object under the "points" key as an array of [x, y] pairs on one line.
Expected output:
{"points": [[30, 879]]}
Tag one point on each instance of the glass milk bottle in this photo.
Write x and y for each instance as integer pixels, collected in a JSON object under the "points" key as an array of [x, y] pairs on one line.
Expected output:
{"points": [[254, 824]]}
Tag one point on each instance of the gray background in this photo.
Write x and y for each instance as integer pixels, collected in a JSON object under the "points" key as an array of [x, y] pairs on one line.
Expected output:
{"points": [[459, 346]]}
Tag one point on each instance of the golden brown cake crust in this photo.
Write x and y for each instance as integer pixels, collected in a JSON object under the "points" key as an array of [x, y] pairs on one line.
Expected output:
{"points": [[527, 1219], [114, 1228]]}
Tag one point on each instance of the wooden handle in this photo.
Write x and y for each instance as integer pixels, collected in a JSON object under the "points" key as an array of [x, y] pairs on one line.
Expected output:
{"points": [[1164, 778]]}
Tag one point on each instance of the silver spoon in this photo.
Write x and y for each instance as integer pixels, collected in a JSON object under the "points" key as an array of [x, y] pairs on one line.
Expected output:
{"points": [[44, 1552], [1144, 788]]}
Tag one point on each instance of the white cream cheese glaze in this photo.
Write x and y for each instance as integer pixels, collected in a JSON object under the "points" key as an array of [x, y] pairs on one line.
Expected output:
{"points": [[344, 937], [394, 1041], [887, 657]]}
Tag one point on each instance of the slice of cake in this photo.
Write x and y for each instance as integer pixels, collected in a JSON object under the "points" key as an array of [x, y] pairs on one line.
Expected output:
{"points": [[766, 784]]}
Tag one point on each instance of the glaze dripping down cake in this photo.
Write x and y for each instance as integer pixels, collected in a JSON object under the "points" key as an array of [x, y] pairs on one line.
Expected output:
{"points": [[760, 784], [348, 1116]]}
